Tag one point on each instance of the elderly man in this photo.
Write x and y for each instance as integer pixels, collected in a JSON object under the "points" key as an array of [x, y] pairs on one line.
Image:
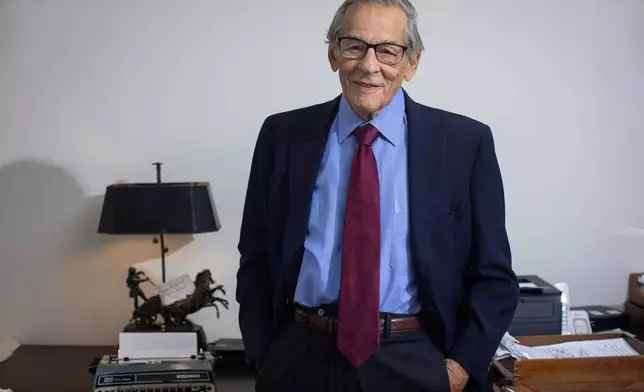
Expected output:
{"points": [[374, 254]]}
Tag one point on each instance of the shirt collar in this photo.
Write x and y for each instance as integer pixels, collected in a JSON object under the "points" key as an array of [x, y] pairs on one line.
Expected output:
{"points": [[387, 122]]}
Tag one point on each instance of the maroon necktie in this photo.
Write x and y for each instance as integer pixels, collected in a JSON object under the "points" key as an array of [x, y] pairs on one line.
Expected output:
{"points": [[358, 333]]}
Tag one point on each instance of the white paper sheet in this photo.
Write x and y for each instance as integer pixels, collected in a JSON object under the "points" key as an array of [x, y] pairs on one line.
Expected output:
{"points": [[7, 347], [175, 289], [585, 349], [157, 345], [510, 347]]}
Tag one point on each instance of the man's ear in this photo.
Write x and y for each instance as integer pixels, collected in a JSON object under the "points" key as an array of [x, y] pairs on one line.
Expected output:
{"points": [[413, 67], [333, 60]]}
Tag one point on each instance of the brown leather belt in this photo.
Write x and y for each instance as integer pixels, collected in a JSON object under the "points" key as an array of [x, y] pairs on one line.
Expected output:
{"points": [[330, 324]]}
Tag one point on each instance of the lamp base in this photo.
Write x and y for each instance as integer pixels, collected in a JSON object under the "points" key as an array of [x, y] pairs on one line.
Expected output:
{"points": [[134, 327]]}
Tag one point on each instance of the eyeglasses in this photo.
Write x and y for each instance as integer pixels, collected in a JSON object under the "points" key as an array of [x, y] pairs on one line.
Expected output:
{"points": [[356, 49]]}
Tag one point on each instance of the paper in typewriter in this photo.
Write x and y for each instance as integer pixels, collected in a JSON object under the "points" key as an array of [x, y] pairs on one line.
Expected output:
{"points": [[157, 345]]}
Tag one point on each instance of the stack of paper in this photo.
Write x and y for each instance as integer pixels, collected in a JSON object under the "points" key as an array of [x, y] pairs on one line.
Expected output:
{"points": [[508, 348], [617, 347]]}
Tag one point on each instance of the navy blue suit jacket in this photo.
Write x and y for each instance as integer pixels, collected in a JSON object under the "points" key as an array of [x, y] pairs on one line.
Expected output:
{"points": [[458, 239]]}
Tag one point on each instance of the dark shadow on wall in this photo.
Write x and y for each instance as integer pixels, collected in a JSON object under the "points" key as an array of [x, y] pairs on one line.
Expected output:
{"points": [[61, 282]]}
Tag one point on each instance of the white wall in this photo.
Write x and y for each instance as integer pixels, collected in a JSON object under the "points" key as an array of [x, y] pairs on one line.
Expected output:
{"points": [[94, 92]]}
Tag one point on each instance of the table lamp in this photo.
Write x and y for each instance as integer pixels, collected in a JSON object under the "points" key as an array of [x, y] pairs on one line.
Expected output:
{"points": [[159, 209]]}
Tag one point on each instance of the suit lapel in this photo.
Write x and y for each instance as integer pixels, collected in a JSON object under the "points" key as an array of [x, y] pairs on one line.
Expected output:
{"points": [[427, 147], [308, 140]]}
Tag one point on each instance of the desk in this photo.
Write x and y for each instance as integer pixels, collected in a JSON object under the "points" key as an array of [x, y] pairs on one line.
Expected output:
{"points": [[632, 387], [65, 369]]}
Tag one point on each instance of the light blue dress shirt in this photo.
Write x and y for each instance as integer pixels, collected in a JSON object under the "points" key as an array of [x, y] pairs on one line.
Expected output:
{"points": [[319, 279]]}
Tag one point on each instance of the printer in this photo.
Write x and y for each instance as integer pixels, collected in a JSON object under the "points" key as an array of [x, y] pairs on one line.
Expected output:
{"points": [[539, 310]]}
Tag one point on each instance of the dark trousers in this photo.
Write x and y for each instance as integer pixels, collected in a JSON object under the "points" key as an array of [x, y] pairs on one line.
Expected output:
{"points": [[302, 359]]}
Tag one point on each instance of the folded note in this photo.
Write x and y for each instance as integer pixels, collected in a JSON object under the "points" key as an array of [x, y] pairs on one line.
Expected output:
{"points": [[175, 289]]}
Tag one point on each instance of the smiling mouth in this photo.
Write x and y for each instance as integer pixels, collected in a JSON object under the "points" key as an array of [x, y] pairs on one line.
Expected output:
{"points": [[366, 85]]}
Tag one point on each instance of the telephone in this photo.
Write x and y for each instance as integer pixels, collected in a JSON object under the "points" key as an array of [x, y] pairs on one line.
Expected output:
{"points": [[580, 322], [575, 322]]}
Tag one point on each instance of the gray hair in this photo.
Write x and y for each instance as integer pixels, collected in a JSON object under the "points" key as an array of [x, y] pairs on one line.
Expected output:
{"points": [[414, 41]]}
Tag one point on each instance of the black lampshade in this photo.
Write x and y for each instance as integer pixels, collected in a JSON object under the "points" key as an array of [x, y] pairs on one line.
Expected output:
{"points": [[154, 208]]}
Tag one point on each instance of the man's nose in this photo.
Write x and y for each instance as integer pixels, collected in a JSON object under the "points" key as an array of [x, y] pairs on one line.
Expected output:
{"points": [[369, 62]]}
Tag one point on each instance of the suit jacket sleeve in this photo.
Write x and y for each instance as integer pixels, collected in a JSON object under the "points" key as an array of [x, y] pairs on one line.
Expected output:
{"points": [[491, 292], [253, 291]]}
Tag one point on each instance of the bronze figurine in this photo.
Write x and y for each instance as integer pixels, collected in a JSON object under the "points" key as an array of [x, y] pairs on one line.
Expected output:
{"points": [[175, 314], [133, 282]]}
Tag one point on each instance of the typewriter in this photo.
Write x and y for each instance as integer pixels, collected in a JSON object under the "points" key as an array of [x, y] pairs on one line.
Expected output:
{"points": [[192, 374]]}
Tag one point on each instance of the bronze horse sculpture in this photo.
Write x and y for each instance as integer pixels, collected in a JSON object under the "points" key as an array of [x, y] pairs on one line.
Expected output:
{"points": [[177, 312]]}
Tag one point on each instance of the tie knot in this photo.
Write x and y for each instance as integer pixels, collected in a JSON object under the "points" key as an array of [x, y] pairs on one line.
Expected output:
{"points": [[366, 134]]}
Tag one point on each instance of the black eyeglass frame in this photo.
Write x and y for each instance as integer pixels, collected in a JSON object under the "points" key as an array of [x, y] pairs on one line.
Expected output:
{"points": [[374, 46]]}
